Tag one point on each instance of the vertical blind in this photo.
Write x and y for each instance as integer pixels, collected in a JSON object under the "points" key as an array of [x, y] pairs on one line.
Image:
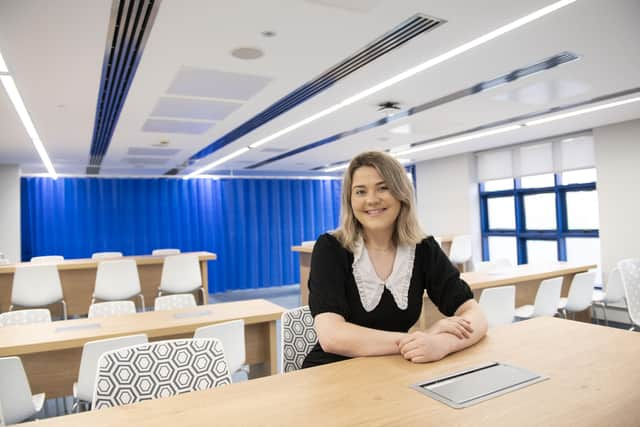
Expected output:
{"points": [[250, 224]]}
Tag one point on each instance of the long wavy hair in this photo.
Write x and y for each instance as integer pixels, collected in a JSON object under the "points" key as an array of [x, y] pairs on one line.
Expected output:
{"points": [[407, 230]]}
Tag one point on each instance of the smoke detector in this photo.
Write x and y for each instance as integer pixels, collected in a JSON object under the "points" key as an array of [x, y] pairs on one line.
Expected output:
{"points": [[389, 107]]}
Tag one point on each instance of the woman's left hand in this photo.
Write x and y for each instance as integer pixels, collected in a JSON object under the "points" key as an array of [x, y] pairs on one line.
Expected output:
{"points": [[422, 347]]}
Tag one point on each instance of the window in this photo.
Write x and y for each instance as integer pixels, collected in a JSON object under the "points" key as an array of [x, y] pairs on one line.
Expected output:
{"points": [[541, 218]]}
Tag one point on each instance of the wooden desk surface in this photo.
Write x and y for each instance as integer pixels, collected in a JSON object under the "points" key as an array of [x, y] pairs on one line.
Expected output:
{"points": [[522, 273], [307, 249], [593, 382], [82, 263], [60, 335]]}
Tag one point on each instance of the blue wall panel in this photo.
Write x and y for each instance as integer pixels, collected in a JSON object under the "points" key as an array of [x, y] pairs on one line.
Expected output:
{"points": [[250, 223]]}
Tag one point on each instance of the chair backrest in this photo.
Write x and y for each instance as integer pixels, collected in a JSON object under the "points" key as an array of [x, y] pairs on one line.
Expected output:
{"points": [[298, 337], [159, 369], [15, 393], [111, 309], [438, 240], [174, 302], [614, 288], [25, 317], [581, 291], [181, 273], [91, 352], [36, 285], [117, 280], [106, 255], [231, 335], [499, 304], [484, 266], [165, 251], [47, 259], [547, 297], [460, 251], [630, 273]]}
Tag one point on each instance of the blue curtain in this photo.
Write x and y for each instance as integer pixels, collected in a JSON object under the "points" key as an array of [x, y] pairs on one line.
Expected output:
{"points": [[250, 224]]}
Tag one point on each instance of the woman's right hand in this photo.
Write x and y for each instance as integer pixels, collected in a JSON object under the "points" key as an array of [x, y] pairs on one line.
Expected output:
{"points": [[454, 325]]}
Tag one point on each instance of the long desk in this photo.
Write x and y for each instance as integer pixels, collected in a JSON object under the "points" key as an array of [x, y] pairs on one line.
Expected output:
{"points": [[51, 352], [526, 278], [78, 277], [593, 378]]}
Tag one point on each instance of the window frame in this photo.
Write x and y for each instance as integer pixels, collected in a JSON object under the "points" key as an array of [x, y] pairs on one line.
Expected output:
{"points": [[520, 233]]}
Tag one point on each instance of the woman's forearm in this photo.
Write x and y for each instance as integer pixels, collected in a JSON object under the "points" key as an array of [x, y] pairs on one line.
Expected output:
{"points": [[338, 336], [472, 312]]}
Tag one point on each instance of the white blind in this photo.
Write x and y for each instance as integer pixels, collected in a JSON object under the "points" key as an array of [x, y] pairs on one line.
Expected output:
{"points": [[577, 153], [535, 159], [494, 165]]}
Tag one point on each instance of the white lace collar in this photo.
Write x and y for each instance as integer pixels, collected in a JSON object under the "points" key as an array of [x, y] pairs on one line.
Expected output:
{"points": [[371, 287]]}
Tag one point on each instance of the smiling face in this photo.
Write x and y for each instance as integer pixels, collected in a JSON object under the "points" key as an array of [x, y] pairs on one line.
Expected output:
{"points": [[372, 203]]}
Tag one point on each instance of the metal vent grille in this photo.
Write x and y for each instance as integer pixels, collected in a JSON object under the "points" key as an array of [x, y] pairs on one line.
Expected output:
{"points": [[407, 30], [129, 28]]}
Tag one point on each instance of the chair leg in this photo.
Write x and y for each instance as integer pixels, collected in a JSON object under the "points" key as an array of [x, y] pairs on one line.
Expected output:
{"points": [[64, 309], [11, 307], [205, 299], [632, 328], [142, 306]]}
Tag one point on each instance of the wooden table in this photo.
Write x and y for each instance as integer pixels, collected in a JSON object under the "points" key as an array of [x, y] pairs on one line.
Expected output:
{"points": [[526, 277], [51, 352], [305, 265], [593, 377], [78, 277]]}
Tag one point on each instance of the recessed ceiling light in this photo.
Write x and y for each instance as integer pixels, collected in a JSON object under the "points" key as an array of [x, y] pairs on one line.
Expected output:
{"points": [[247, 53], [402, 129]]}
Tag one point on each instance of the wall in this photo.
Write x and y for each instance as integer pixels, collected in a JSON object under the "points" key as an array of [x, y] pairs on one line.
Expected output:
{"points": [[448, 200], [10, 211]]}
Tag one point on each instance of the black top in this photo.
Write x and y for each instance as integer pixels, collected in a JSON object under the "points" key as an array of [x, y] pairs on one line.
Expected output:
{"points": [[332, 288]]}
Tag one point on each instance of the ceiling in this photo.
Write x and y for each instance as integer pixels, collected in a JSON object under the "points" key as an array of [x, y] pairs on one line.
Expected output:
{"points": [[54, 50]]}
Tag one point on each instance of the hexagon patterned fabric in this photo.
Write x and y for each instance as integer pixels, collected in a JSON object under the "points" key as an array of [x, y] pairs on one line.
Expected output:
{"points": [[159, 369], [298, 337]]}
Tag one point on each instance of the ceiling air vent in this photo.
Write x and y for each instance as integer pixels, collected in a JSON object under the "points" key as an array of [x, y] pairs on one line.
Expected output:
{"points": [[129, 28]]}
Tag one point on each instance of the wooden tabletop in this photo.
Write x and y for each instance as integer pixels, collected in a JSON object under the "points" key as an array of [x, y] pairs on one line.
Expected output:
{"points": [[593, 377], [522, 273], [25, 339], [82, 263], [307, 249]]}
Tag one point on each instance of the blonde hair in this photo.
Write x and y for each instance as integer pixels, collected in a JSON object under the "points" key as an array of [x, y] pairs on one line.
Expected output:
{"points": [[406, 231]]}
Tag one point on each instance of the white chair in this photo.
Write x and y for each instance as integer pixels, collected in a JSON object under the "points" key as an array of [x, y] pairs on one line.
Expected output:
{"points": [[580, 294], [4, 260], [298, 337], [547, 299], [438, 240], [174, 302], [117, 280], [612, 293], [181, 275], [25, 317], [91, 352], [231, 335], [106, 255], [165, 252], [18, 404], [37, 285], [499, 305], [47, 259], [460, 252], [157, 370], [630, 273], [111, 309]]}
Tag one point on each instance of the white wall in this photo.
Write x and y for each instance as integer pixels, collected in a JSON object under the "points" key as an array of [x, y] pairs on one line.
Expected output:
{"points": [[448, 200], [10, 211], [617, 155]]}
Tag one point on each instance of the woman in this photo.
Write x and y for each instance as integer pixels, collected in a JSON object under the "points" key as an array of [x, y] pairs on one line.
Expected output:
{"points": [[368, 277]]}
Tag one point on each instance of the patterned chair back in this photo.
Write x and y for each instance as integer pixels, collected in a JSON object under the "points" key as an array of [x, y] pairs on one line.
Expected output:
{"points": [[25, 317], [174, 302], [298, 337], [159, 369]]}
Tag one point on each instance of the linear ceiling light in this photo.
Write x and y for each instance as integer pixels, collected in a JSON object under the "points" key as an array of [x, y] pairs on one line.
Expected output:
{"points": [[217, 162], [581, 111], [18, 104], [344, 165], [406, 74]]}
